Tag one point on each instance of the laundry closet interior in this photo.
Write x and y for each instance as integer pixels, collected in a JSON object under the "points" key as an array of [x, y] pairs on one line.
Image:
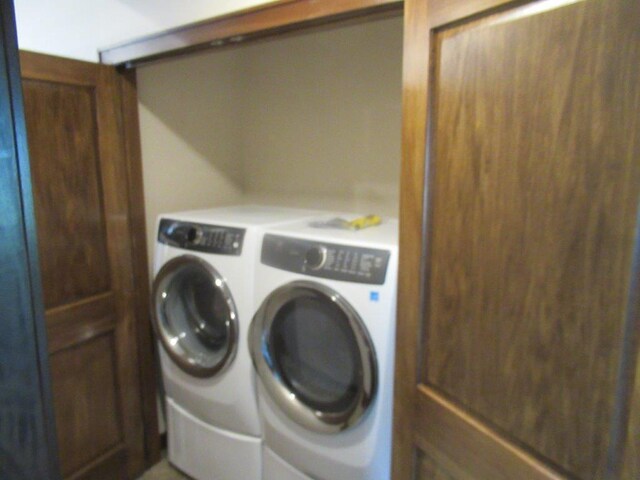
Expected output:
{"points": [[310, 119], [306, 115], [502, 133]]}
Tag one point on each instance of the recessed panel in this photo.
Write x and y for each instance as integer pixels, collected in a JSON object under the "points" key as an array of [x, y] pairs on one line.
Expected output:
{"points": [[61, 125], [85, 402], [533, 199]]}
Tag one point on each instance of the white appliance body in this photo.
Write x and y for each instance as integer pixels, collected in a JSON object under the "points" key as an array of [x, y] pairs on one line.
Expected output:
{"points": [[212, 421], [352, 441]]}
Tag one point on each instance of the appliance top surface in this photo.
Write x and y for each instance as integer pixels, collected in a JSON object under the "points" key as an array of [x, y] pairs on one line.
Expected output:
{"points": [[242, 216], [384, 235]]}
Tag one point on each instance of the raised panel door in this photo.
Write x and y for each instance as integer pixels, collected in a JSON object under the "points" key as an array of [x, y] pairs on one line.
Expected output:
{"points": [[528, 242], [80, 176]]}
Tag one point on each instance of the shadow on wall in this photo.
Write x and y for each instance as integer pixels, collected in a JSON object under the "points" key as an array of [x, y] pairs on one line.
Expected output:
{"points": [[190, 117], [299, 120]]}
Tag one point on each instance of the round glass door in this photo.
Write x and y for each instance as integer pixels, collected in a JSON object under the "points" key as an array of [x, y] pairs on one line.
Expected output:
{"points": [[194, 316], [314, 356]]}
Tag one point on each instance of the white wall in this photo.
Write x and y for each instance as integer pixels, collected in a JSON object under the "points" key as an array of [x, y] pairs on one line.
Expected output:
{"points": [[79, 28], [308, 120]]}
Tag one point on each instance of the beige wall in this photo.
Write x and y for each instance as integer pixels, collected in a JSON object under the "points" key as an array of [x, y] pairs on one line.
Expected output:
{"points": [[322, 119], [190, 134], [308, 120]]}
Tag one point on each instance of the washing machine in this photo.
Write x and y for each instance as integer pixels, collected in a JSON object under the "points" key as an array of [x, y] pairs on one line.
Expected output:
{"points": [[202, 305], [322, 345]]}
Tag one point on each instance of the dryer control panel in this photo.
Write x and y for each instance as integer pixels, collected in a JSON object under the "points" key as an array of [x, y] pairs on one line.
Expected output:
{"points": [[201, 237], [326, 260]]}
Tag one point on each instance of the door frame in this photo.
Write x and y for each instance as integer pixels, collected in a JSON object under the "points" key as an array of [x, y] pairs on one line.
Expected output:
{"points": [[24, 327]]}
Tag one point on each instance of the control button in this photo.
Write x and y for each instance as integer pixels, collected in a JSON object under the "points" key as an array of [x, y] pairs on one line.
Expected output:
{"points": [[315, 257]]}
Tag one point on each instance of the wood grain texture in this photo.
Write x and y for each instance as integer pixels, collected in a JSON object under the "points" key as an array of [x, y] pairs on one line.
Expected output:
{"points": [[61, 125], [75, 323], [87, 206], [414, 105], [464, 448], [85, 402], [49, 68], [265, 20], [534, 191], [115, 185], [631, 463], [110, 465], [455, 11], [429, 469], [146, 343]]}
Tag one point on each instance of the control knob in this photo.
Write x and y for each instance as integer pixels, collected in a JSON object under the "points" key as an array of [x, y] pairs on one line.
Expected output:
{"points": [[194, 235], [315, 257]]}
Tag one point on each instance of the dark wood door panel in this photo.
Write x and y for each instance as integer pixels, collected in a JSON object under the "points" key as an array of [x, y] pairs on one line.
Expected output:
{"points": [[61, 123], [79, 165], [535, 189], [76, 323], [463, 447], [429, 469], [527, 113], [86, 402]]}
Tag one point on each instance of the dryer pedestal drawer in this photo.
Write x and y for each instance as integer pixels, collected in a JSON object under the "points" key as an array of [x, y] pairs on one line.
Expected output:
{"points": [[206, 452], [277, 469]]}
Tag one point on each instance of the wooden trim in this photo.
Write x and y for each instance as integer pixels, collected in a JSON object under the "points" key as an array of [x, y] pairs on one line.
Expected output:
{"points": [[273, 18], [113, 168], [414, 108], [146, 345], [443, 13], [456, 438], [36, 66], [79, 322], [111, 463], [56, 314]]}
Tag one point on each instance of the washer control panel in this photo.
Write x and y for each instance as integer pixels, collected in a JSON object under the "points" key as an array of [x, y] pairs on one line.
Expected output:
{"points": [[325, 260], [200, 237]]}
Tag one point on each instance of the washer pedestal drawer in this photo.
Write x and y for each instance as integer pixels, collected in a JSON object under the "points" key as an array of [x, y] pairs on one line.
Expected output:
{"points": [[205, 452]]}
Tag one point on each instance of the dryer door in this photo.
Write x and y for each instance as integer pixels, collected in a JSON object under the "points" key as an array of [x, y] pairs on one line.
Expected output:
{"points": [[314, 356], [194, 316]]}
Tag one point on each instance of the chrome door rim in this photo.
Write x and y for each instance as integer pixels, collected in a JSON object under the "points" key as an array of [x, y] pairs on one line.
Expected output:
{"points": [[288, 401], [162, 280]]}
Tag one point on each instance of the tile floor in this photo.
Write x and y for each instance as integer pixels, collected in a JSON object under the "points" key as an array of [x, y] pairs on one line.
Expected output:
{"points": [[163, 471]]}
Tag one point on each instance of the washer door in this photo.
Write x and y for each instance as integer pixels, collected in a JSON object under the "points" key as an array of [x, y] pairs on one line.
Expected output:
{"points": [[314, 356], [194, 316]]}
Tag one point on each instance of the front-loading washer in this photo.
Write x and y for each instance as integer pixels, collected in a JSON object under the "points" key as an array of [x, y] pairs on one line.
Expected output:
{"points": [[202, 305], [322, 344]]}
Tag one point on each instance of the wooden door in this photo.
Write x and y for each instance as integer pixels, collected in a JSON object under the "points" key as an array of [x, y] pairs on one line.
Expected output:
{"points": [[80, 183], [27, 436], [520, 191]]}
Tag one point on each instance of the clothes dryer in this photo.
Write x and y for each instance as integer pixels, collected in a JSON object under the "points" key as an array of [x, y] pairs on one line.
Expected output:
{"points": [[202, 304], [322, 343]]}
